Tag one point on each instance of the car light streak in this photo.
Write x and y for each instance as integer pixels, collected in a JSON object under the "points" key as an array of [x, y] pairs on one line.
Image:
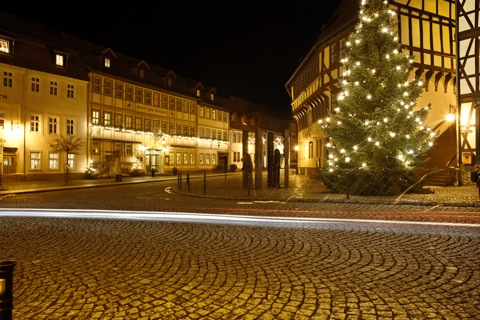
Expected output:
{"points": [[204, 217]]}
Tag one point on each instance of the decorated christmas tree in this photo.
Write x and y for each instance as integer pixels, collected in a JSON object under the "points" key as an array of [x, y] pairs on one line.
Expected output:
{"points": [[377, 135]]}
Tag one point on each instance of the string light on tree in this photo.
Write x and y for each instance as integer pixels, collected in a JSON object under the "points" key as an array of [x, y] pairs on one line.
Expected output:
{"points": [[377, 124]]}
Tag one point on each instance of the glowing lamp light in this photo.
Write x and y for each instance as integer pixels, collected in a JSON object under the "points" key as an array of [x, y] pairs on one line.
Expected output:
{"points": [[450, 117]]}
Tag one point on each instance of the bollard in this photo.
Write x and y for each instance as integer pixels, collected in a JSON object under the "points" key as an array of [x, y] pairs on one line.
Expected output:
{"points": [[6, 289], [204, 182]]}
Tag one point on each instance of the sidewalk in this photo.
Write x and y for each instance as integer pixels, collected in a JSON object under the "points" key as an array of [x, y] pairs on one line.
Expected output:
{"points": [[229, 186]]}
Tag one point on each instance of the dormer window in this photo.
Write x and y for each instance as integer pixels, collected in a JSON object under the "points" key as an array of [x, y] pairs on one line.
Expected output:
{"points": [[5, 46], [107, 62], [169, 82], [60, 60], [198, 92], [212, 96], [141, 73]]}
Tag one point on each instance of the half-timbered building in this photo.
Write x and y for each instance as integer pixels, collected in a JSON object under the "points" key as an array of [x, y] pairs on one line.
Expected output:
{"points": [[466, 119]]}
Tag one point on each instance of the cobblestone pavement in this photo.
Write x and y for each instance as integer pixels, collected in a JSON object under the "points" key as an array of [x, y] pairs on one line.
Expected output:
{"points": [[158, 268], [300, 188], [81, 268]]}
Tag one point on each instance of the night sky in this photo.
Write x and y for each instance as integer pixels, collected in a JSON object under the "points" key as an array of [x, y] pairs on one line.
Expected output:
{"points": [[247, 48]]}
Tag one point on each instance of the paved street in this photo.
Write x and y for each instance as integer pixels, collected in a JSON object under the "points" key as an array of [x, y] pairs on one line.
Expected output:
{"points": [[83, 268], [329, 258]]}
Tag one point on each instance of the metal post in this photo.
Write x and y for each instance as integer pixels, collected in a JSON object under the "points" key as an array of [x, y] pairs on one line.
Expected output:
{"points": [[204, 181], [6, 289]]}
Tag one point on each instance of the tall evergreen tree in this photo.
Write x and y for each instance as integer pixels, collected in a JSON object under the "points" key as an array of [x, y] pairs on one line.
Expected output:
{"points": [[377, 136]]}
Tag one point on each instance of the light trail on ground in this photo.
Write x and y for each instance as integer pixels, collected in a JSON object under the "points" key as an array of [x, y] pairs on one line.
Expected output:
{"points": [[206, 217]]}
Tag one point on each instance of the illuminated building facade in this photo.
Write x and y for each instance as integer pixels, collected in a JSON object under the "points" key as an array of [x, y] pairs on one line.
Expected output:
{"points": [[426, 30], [124, 109]]}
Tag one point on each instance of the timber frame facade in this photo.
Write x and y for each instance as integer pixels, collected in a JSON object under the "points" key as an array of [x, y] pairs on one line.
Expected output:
{"points": [[427, 32], [468, 48]]}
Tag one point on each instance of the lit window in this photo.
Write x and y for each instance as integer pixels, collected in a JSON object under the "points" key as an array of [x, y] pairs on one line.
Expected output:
{"points": [[107, 119], [70, 160], [95, 147], [53, 161], [107, 62], [59, 60], [95, 117], [4, 46], [35, 160]]}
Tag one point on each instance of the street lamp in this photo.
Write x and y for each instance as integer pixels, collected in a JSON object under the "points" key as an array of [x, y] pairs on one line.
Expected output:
{"points": [[296, 158], [454, 115]]}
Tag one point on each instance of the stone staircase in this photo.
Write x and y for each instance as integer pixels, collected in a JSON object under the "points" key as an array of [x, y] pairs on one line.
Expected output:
{"points": [[442, 157]]}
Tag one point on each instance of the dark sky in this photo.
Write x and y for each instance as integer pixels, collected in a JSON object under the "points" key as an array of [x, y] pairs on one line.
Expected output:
{"points": [[248, 48]]}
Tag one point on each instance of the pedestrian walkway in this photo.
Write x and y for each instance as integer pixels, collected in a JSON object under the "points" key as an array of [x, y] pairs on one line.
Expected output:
{"points": [[230, 186]]}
